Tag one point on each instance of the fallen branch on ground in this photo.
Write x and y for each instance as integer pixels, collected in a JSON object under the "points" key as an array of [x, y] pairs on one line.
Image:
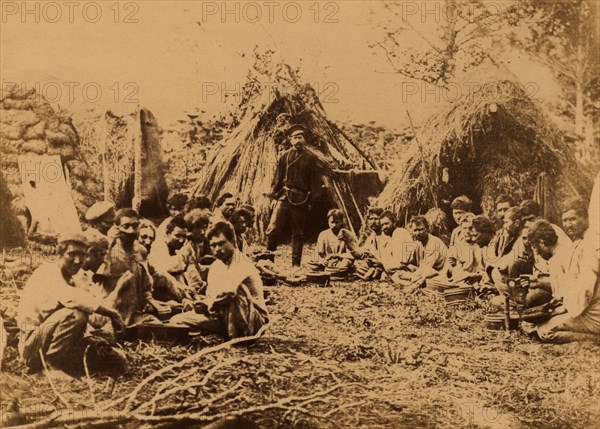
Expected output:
{"points": [[133, 395], [281, 404], [161, 395]]}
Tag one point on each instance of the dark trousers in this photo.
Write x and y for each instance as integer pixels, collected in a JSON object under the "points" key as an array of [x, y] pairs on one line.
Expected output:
{"points": [[61, 340], [286, 214]]}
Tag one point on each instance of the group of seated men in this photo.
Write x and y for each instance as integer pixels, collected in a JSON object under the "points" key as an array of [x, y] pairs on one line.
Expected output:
{"points": [[124, 270], [404, 255], [560, 266]]}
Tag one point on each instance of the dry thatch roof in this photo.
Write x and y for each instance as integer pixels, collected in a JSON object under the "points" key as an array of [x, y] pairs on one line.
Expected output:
{"points": [[244, 163], [494, 140]]}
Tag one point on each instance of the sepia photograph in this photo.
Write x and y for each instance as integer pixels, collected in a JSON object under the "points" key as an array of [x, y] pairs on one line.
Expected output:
{"points": [[304, 214]]}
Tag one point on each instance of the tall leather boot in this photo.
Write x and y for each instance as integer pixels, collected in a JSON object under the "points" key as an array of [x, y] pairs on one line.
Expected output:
{"points": [[272, 241], [297, 243]]}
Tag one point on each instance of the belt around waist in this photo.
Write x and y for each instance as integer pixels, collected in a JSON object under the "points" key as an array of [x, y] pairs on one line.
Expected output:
{"points": [[293, 188]]}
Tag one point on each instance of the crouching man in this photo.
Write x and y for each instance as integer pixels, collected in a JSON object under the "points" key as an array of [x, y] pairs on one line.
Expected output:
{"points": [[234, 304], [574, 277], [53, 315]]}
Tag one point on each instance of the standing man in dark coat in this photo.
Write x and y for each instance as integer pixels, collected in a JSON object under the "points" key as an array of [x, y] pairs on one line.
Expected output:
{"points": [[295, 179]]}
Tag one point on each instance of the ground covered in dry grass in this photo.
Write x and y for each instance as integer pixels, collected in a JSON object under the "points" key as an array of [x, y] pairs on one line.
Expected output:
{"points": [[356, 354]]}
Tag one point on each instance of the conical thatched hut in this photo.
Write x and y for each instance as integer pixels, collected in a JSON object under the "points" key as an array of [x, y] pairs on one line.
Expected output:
{"points": [[244, 164], [494, 140]]}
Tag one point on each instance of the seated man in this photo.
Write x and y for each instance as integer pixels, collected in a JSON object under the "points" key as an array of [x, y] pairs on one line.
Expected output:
{"points": [[574, 278], [502, 204], [241, 219], [504, 239], [146, 234], [53, 314], [427, 254], [88, 278], [336, 244], [125, 279], [481, 232], [462, 260], [396, 244], [385, 253], [196, 248], [373, 229], [176, 279], [224, 208], [508, 256], [101, 218], [531, 211], [460, 206], [234, 303], [368, 252]]}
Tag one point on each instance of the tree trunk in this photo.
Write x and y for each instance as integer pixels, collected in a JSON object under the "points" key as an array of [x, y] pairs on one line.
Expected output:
{"points": [[580, 74]]}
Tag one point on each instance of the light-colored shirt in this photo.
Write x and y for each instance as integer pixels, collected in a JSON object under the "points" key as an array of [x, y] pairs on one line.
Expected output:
{"points": [[223, 278], [84, 280], [397, 249], [433, 254], [162, 261], [540, 265], [374, 243], [328, 243], [468, 258], [574, 273], [458, 236], [47, 291]]}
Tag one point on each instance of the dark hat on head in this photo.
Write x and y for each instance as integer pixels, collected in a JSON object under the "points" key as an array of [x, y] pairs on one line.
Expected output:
{"points": [[98, 210], [295, 127], [94, 238]]}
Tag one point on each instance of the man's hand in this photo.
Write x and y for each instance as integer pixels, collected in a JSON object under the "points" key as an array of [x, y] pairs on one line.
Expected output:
{"points": [[117, 322], [342, 234], [187, 304], [114, 317], [200, 307], [272, 204]]}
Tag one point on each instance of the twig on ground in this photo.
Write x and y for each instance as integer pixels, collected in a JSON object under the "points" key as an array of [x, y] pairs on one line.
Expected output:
{"points": [[341, 407], [133, 395], [161, 395], [46, 373], [87, 374], [281, 404]]}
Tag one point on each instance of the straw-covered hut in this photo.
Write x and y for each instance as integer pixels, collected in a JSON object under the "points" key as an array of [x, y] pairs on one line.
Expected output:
{"points": [[244, 163], [490, 141]]}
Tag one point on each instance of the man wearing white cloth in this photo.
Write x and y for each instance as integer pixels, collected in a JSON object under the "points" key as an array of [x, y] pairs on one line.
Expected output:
{"points": [[573, 277], [234, 295]]}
